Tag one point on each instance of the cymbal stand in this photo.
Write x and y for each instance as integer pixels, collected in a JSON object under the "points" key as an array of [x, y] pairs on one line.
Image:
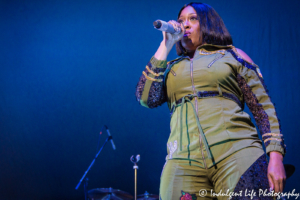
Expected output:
{"points": [[85, 184], [134, 160]]}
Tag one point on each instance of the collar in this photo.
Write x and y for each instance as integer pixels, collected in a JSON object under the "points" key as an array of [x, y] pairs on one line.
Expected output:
{"points": [[209, 49], [212, 47]]}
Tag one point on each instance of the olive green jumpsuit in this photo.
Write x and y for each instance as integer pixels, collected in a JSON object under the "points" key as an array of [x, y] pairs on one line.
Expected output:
{"points": [[212, 141]]}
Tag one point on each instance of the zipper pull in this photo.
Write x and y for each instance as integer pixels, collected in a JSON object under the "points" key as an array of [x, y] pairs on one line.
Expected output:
{"points": [[173, 72]]}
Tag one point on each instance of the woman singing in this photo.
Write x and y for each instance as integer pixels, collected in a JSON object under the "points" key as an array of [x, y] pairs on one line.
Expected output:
{"points": [[213, 147]]}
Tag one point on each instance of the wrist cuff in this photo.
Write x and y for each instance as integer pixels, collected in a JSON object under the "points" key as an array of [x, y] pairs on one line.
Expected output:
{"points": [[158, 63]]}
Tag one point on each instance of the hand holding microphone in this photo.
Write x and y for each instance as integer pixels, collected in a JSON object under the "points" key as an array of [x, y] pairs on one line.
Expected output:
{"points": [[172, 30], [172, 33], [167, 27]]}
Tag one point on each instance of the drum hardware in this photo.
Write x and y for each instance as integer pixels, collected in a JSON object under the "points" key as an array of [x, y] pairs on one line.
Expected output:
{"points": [[84, 179], [147, 196], [85, 184], [135, 160], [108, 194]]}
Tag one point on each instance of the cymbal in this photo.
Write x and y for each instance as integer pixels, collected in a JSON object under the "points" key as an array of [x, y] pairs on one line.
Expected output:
{"points": [[289, 170], [109, 194], [147, 196]]}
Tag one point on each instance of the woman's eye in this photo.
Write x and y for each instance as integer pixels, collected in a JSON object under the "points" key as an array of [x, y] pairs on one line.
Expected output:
{"points": [[193, 18], [179, 21]]}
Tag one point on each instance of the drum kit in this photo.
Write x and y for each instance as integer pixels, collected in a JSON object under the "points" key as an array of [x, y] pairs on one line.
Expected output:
{"points": [[115, 194], [110, 193]]}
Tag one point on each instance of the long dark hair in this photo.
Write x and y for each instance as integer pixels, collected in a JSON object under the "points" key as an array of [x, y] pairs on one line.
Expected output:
{"points": [[212, 27]]}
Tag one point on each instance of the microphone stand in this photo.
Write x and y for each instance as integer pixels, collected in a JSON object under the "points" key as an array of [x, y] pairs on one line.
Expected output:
{"points": [[134, 160], [88, 169]]}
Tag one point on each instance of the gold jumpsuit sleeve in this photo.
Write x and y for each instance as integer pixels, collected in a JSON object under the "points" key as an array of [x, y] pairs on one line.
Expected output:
{"points": [[255, 94], [150, 90]]}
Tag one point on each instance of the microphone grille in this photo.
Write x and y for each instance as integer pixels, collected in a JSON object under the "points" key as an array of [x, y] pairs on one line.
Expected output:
{"points": [[157, 24]]}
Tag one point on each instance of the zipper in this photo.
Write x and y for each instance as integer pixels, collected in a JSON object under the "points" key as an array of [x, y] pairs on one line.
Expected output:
{"points": [[172, 71], [212, 62], [196, 105]]}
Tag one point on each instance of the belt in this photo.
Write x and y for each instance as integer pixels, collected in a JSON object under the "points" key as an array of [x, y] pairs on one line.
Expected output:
{"points": [[207, 94], [187, 99]]}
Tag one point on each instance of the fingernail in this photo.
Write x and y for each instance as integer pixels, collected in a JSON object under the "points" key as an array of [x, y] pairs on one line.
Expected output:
{"points": [[271, 189]]}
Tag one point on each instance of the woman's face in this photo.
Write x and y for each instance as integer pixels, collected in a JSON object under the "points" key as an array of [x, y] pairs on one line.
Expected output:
{"points": [[191, 38]]}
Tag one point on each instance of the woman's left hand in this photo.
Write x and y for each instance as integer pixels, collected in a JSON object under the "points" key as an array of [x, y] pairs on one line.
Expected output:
{"points": [[276, 172]]}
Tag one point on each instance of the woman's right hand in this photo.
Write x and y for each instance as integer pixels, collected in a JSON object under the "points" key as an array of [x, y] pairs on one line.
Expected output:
{"points": [[171, 39], [168, 41]]}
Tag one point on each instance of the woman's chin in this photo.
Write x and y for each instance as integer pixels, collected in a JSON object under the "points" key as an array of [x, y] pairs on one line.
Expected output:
{"points": [[188, 47]]}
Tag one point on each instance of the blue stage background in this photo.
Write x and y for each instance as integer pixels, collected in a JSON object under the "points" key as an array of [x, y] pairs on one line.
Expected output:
{"points": [[69, 67]]}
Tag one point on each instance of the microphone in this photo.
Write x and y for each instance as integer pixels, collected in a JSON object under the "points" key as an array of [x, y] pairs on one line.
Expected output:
{"points": [[165, 26], [111, 140]]}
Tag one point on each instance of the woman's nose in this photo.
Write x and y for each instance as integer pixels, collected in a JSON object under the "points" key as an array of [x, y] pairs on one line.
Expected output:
{"points": [[186, 23]]}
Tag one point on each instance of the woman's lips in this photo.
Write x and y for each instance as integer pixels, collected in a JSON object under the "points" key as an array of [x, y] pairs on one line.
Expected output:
{"points": [[186, 34]]}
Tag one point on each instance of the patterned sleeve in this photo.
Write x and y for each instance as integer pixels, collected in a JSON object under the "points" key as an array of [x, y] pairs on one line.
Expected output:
{"points": [[150, 91], [255, 93]]}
